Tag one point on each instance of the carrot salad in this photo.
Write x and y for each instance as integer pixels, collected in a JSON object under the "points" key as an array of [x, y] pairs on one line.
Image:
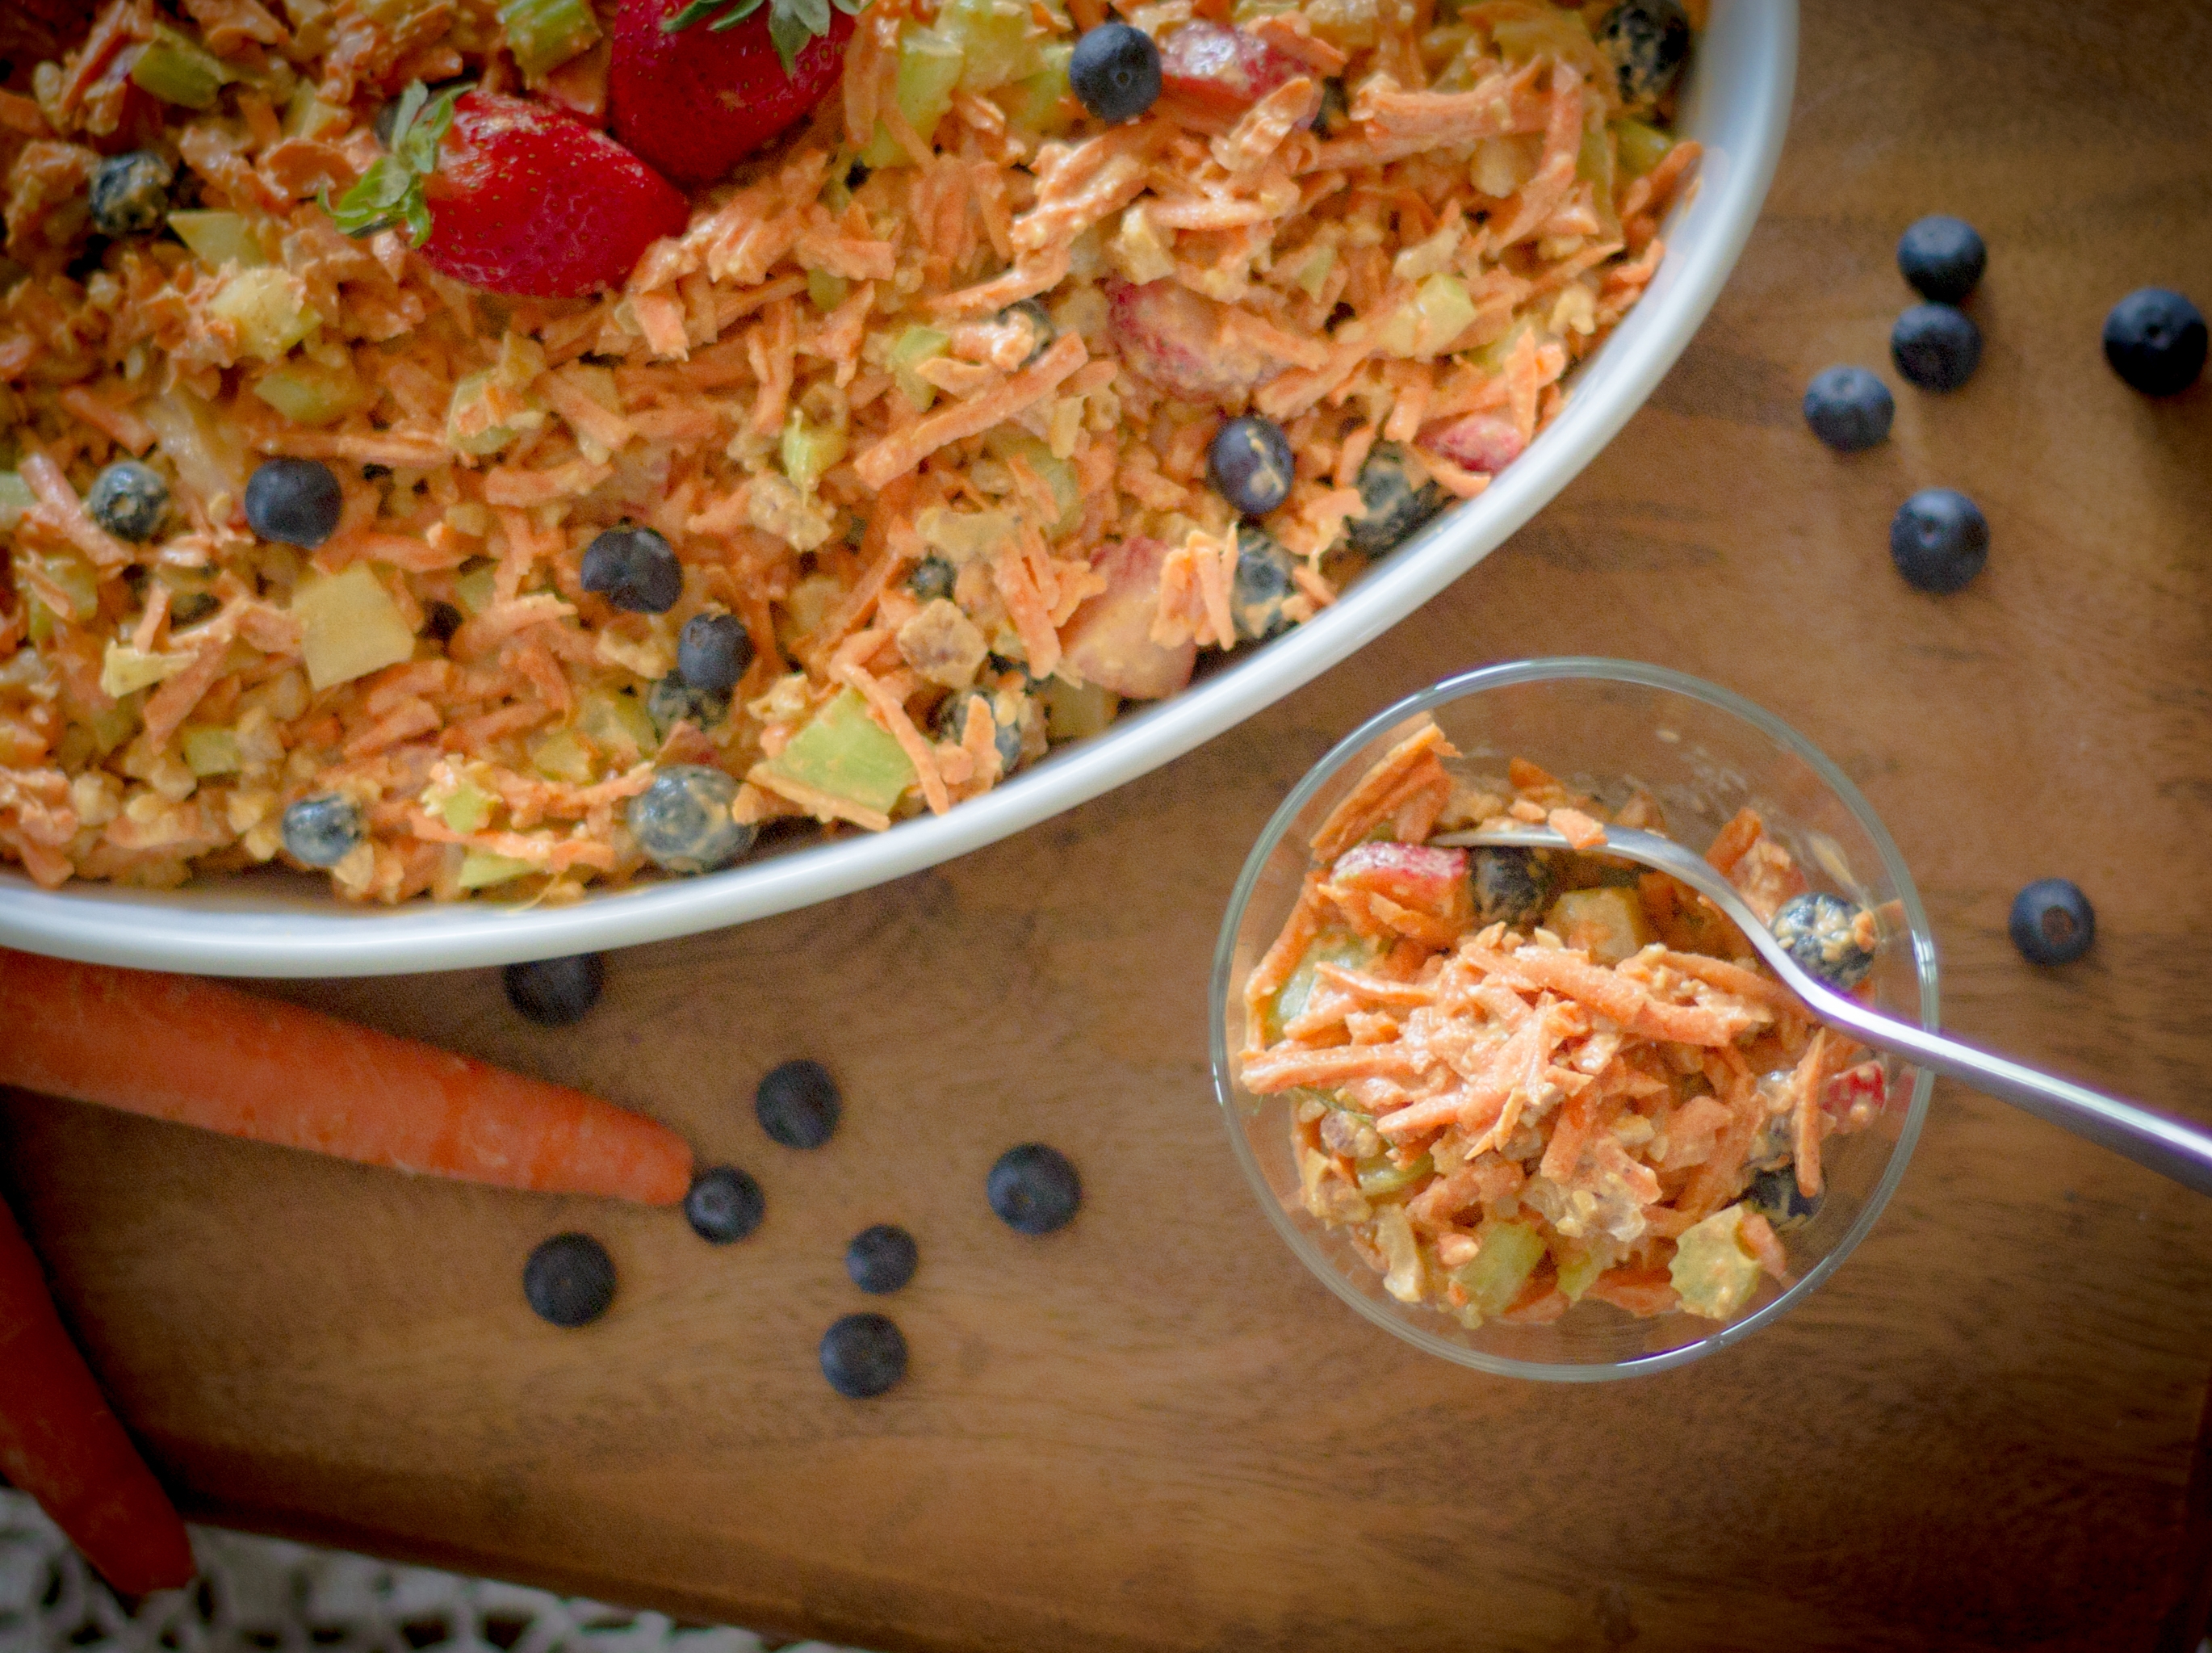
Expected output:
{"points": [[921, 399], [1521, 1080]]}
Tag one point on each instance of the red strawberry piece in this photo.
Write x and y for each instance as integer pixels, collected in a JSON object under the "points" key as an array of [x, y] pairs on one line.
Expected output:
{"points": [[1211, 74], [1109, 639], [1430, 881], [698, 85], [1476, 441], [512, 195], [1176, 338], [1863, 1091]]}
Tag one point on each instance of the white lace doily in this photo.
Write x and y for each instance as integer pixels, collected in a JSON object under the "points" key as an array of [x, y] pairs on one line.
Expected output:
{"points": [[262, 1595]]}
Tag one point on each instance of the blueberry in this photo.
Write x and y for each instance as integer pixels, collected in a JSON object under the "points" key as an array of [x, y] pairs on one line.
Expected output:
{"points": [[1336, 112], [863, 1355], [1849, 409], [1820, 932], [321, 831], [1512, 887], [2052, 922], [2155, 340], [293, 501], [671, 700], [634, 568], [130, 193], [712, 652], [1943, 258], [1034, 1189], [128, 499], [569, 1280], [724, 1205], [798, 1104], [1250, 465], [1042, 329], [1392, 504], [1115, 71], [1939, 539], [683, 822], [1647, 41], [1775, 1196], [1263, 585], [930, 579], [881, 1258], [1935, 347], [951, 724], [440, 621], [556, 992]]}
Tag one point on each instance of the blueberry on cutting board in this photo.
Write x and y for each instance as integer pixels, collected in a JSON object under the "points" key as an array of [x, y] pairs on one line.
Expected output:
{"points": [[2051, 922], [798, 1104], [1935, 347], [1943, 256], [1034, 1189], [556, 992], [863, 1355], [882, 1259], [569, 1280], [1849, 409], [2156, 340], [1939, 539], [723, 1204]]}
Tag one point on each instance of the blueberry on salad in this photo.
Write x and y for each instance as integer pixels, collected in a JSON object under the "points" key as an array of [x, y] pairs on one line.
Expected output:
{"points": [[2155, 340], [569, 1280], [1114, 72], [1392, 504], [633, 568], [671, 700], [1943, 256], [1262, 584], [1511, 886], [881, 1258], [1250, 465], [723, 1204], [556, 992], [682, 821], [1774, 1194], [930, 579], [798, 1104], [1647, 42], [1939, 539], [1849, 409], [129, 193], [1832, 940], [711, 653], [1935, 347], [1034, 1189], [295, 502], [863, 1355], [321, 831], [127, 499], [951, 724], [2052, 922]]}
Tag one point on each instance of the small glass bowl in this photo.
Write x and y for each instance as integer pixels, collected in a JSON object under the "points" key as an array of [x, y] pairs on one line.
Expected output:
{"points": [[1603, 726]]}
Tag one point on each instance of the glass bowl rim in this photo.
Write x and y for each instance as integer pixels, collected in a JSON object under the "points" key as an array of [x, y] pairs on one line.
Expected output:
{"points": [[1464, 685]]}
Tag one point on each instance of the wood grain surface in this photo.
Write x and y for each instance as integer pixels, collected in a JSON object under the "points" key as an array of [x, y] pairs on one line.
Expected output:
{"points": [[1153, 1430]]}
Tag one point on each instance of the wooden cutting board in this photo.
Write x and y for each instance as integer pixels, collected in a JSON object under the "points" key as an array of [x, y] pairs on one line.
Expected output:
{"points": [[1153, 1429]]}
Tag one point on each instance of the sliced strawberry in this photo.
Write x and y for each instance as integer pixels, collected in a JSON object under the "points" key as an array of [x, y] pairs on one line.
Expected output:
{"points": [[1863, 1091], [1430, 881], [695, 96], [1211, 74], [512, 195], [1476, 441], [1109, 641], [1176, 338]]}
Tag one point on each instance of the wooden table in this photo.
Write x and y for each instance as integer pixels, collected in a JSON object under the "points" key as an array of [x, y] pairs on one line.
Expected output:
{"points": [[1153, 1429]]}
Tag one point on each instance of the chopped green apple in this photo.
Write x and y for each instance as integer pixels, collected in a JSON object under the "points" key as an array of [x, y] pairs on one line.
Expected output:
{"points": [[481, 870], [843, 751], [351, 626], [914, 346], [1611, 923], [217, 239], [210, 749], [1425, 324], [542, 35], [1506, 1254], [1712, 1271], [929, 68], [176, 69], [312, 393], [268, 307]]}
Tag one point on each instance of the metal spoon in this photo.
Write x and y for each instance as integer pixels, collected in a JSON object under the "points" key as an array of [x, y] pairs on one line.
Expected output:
{"points": [[2170, 1147]]}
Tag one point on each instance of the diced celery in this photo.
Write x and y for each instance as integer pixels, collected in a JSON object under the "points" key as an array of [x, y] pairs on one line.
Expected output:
{"points": [[269, 308], [542, 35], [219, 238], [1331, 947], [1508, 1254], [916, 345], [351, 626], [179, 69], [312, 393], [1042, 102], [486, 413], [929, 66], [824, 290], [1382, 1175], [809, 450], [480, 868], [112, 727], [210, 749], [610, 721], [996, 40], [841, 751], [1610, 921], [1058, 474], [74, 577], [1439, 311], [1493, 356], [466, 808], [124, 668], [1579, 1264], [1640, 146], [15, 498], [559, 755], [1712, 1270], [1074, 712], [476, 587]]}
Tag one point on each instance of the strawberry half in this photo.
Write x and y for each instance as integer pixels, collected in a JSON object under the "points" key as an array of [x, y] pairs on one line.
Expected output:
{"points": [[695, 96], [512, 195]]}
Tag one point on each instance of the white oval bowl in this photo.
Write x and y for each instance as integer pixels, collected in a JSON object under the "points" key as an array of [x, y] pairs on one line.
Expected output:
{"points": [[1735, 103]]}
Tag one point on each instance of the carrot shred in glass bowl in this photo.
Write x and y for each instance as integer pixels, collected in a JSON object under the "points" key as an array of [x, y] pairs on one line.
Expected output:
{"points": [[922, 397]]}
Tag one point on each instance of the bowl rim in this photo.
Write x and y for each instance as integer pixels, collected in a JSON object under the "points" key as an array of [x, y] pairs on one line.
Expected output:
{"points": [[1464, 685], [220, 929]]}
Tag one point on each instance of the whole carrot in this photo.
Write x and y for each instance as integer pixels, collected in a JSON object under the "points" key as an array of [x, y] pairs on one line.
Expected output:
{"points": [[60, 1444], [179, 1048]]}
